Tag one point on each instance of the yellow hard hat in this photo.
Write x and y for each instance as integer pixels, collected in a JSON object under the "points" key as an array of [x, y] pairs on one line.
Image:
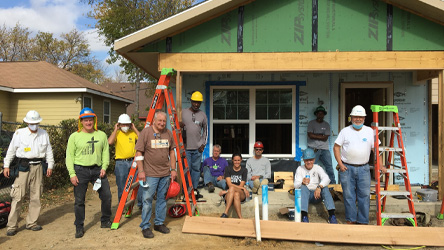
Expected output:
{"points": [[197, 97]]}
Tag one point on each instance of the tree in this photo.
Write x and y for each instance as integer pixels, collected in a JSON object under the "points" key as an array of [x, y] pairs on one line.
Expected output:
{"points": [[118, 18], [71, 52]]}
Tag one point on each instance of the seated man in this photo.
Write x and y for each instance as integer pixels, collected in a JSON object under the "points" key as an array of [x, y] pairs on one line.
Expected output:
{"points": [[313, 182], [213, 169], [259, 169]]}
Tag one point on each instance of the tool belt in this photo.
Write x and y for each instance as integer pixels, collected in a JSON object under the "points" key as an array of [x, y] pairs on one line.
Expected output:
{"points": [[24, 163]]}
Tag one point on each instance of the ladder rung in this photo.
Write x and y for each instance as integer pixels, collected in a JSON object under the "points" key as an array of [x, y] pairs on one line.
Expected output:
{"points": [[392, 193], [390, 149], [396, 171], [388, 128], [397, 215]]}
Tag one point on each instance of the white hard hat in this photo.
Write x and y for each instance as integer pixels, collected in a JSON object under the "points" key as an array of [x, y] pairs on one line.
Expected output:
{"points": [[124, 119], [358, 110], [32, 117]]}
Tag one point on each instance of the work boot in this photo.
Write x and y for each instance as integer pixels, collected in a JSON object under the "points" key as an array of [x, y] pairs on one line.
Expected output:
{"points": [[305, 219], [35, 228], [11, 232], [147, 233], [161, 228], [210, 187], [106, 224], [79, 232]]}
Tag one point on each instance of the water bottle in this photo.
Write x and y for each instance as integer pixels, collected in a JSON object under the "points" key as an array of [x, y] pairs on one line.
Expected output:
{"points": [[250, 192]]}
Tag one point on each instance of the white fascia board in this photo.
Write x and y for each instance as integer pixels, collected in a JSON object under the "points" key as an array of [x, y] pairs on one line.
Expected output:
{"points": [[68, 90]]}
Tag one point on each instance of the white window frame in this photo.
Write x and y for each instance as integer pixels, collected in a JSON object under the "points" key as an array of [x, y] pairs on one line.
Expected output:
{"points": [[252, 119], [109, 115]]}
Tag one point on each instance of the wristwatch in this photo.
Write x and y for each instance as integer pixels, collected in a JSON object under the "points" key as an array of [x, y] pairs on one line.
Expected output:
{"points": [[319, 186], [174, 170]]}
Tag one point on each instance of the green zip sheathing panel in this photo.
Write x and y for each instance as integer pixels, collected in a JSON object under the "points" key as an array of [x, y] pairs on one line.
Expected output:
{"points": [[411, 32], [350, 25], [277, 26], [216, 35], [159, 46]]}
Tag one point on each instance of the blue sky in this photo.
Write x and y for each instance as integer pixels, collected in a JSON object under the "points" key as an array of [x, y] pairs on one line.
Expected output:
{"points": [[56, 16]]}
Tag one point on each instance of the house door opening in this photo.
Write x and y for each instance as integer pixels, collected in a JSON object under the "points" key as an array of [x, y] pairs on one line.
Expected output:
{"points": [[367, 94]]}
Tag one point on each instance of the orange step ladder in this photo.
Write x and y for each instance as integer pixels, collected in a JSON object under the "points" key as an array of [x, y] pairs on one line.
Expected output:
{"points": [[391, 150], [162, 94]]}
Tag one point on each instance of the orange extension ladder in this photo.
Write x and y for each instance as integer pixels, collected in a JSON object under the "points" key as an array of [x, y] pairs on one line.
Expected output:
{"points": [[381, 195], [163, 94]]}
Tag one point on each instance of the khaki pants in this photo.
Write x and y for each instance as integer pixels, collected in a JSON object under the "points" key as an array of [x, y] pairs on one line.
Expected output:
{"points": [[31, 180]]}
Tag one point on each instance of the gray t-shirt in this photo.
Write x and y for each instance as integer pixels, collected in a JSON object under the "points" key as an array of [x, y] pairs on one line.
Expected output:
{"points": [[259, 167], [317, 128], [196, 127]]}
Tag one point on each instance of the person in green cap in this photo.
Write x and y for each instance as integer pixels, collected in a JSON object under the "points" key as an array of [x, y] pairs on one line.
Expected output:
{"points": [[318, 132]]}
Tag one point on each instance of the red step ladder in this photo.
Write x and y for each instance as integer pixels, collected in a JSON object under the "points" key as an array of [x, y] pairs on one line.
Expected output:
{"points": [[391, 150], [162, 94]]}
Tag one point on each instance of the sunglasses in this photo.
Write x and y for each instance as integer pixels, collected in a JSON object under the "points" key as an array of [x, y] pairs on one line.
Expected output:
{"points": [[258, 149]]}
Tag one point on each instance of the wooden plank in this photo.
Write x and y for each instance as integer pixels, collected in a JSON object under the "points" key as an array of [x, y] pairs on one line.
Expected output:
{"points": [[440, 133], [317, 232], [306, 61], [422, 75], [283, 175]]}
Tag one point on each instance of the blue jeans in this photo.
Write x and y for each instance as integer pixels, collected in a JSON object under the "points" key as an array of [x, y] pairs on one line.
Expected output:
{"points": [[121, 170], [159, 184], [355, 182], [194, 159], [324, 156], [213, 179], [307, 196], [88, 175]]}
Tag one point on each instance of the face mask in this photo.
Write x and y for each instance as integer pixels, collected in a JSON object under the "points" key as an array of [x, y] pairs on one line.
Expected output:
{"points": [[357, 126], [124, 129], [33, 127]]}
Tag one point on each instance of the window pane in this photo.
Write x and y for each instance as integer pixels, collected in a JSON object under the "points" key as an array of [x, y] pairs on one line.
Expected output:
{"points": [[276, 138], [106, 108], [87, 102], [231, 104], [106, 119], [232, 138], [273, 104]]}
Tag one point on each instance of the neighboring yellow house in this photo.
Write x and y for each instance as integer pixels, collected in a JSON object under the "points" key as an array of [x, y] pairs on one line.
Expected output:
{"points": [[55, 93]]}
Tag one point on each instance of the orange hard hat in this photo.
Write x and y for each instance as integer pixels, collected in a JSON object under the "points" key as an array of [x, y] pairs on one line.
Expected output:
{"points": [[173, 190]]}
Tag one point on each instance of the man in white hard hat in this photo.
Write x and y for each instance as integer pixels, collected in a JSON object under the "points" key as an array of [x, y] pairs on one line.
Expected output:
{"points": [[31, 146], [195, 125], [125, 135], [352, 152]]}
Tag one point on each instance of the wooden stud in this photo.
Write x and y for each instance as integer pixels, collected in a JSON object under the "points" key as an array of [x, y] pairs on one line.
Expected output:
{"points": [[440, 134]]}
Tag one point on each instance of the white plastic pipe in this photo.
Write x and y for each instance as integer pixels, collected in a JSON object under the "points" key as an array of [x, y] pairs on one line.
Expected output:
{"points": [[264, 202], [297, 205], [257, 219]]}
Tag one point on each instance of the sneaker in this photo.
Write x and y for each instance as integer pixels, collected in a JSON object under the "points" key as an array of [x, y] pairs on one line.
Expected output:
{"points": [[11, 232], [161, 228], [106, 224], [198, 195], [224, 215], [210, 188], [147, 233], [79, 232], [35, 228], [332, 219], [305, 219]]}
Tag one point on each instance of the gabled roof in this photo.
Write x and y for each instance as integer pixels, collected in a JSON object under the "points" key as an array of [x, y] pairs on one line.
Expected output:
{"points": [[126, 46], [43, 77]]}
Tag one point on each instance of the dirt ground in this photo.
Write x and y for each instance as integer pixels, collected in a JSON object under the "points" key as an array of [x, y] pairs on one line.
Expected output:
{"points": [[58, 232]]}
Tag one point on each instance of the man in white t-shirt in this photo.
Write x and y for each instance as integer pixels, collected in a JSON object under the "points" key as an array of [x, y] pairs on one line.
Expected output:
{"points": [[313, 182], [352, 152]]}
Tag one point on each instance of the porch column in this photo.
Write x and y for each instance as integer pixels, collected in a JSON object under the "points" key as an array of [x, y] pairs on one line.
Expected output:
{"points": [[440, 134]]}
